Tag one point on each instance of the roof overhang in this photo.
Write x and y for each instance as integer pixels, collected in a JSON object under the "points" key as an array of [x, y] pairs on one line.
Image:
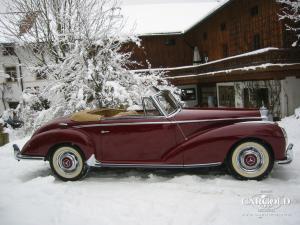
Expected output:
{"points": [[260, 72], [262, 64]]}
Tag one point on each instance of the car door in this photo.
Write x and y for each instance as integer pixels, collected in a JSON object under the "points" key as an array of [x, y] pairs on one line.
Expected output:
{"points": [[139, 139]]}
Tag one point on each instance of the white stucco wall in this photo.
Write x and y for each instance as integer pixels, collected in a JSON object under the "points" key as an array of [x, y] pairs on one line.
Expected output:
{"points": [[290, 95], [12, 91]]}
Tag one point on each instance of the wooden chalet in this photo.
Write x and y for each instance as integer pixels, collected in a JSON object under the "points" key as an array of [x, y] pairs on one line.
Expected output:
{"points": [[218, 60]]}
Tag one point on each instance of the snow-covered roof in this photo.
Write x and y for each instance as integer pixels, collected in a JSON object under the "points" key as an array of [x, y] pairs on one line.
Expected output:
{"points": [[159, 17], [168, 18]]}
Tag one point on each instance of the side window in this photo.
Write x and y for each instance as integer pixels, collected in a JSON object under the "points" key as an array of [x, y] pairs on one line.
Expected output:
{"points": [[11, 72], [149, 108]]}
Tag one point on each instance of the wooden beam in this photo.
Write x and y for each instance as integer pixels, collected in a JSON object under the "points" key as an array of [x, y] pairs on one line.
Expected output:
{"points": [[269, 73]]}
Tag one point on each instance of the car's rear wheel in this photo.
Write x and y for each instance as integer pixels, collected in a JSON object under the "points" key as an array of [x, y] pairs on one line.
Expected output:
{"points": [[250, 160], [67, 163]]}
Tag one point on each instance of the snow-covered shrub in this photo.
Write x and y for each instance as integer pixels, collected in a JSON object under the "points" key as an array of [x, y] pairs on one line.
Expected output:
{"points": [[78, 46], [291, 13]]}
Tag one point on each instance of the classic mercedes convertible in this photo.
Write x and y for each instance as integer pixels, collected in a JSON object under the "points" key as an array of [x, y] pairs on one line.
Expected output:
{"points": [[161, 134]]}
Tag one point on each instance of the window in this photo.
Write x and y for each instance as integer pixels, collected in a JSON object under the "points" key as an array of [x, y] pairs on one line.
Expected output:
{"points": [[254, 11], [205, 36], [225, 50], [208, 96], [11, 72], [223, 27], [13, 105], [226, 96], [149, 108], [170, 42], [167, 102], [188, 94], [256, 42], [256, 98], [8, 50]]}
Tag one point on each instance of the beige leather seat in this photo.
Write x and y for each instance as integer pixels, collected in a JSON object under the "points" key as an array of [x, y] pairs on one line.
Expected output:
{"points": [[98, 114]]}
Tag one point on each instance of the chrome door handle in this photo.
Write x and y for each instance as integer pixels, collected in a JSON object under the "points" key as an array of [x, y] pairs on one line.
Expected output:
{"points": [[104, 131]]}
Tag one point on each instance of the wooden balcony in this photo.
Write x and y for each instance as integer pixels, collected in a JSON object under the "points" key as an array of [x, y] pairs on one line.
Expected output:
{"points": [[263, 64], [271, 56]]}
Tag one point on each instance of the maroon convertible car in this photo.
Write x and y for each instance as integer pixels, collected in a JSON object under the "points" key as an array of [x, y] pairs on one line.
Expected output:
{"points": [[162, 135]]}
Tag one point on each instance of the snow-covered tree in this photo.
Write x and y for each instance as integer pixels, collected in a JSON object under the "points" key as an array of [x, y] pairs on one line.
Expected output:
{"points": [[291, 12], [77, 46]]}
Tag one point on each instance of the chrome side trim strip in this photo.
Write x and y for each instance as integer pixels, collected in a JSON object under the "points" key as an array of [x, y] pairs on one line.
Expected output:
{"points": [[120, 124], [165, 122], [213, 120], [261, 121], [122, 165]]}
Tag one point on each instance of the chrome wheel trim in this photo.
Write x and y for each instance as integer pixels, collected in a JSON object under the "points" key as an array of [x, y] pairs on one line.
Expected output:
{"points": [[67, 162], [250, 159], [251, 170]]}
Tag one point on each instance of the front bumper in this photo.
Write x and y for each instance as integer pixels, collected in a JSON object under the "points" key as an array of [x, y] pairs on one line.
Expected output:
{"points": [[19, 156], [289, 155]]}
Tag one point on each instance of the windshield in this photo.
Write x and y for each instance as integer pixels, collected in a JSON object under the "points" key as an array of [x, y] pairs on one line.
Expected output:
{"points": [[167, 102]]}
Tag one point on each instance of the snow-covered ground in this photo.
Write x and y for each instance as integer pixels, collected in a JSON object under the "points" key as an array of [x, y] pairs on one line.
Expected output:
{"points": [[30, 195]]}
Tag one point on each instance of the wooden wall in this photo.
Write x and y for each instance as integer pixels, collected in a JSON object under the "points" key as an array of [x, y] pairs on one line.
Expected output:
{"points": [[240, 29], [229, 31], [163, 51]]}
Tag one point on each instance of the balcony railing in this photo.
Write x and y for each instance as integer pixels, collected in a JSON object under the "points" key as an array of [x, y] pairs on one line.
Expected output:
{"points": [[263, 56]]}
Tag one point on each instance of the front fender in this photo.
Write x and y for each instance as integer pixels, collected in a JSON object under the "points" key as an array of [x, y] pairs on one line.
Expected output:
{"points": [[40, 144], [213, 145]]}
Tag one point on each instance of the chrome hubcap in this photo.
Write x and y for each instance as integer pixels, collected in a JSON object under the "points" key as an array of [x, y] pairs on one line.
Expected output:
{"points": [[250, 159], [67, 162]]}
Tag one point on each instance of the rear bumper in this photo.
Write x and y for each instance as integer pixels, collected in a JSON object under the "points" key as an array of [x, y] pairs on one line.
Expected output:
{"points": [[19, 156], [289, 155]]}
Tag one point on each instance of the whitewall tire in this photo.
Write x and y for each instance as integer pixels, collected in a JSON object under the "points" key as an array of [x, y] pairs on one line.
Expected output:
{"points": [[67, 163], [250, 160]]}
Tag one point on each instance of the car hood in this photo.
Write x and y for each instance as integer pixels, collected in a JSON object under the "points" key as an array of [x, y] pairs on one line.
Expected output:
{"points": [[219, 113]]}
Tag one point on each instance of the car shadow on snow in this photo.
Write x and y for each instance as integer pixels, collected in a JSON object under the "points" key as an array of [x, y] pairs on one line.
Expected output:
{"points": [[144, 174], [279, 173]]}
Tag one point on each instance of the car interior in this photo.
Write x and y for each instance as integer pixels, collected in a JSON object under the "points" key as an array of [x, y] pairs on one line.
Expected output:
{"points": [[99, 114]]}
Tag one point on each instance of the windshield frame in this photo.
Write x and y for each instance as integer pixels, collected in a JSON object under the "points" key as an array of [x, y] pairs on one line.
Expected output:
{"points": [[172, 98]]}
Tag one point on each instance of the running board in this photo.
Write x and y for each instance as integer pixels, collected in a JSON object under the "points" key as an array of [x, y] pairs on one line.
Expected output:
{"points": [[159, 166]]}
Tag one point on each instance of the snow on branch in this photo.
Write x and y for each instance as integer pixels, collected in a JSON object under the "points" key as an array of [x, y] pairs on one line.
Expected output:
{"points": [[291, 12], [77, 46]]}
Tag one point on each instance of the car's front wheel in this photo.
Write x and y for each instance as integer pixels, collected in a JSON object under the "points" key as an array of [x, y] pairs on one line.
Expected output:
{"points": [[67, 163], [250, 160]]}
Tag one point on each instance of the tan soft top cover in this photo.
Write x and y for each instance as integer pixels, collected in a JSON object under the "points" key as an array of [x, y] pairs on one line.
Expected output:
{"points": [[98, 114]]}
